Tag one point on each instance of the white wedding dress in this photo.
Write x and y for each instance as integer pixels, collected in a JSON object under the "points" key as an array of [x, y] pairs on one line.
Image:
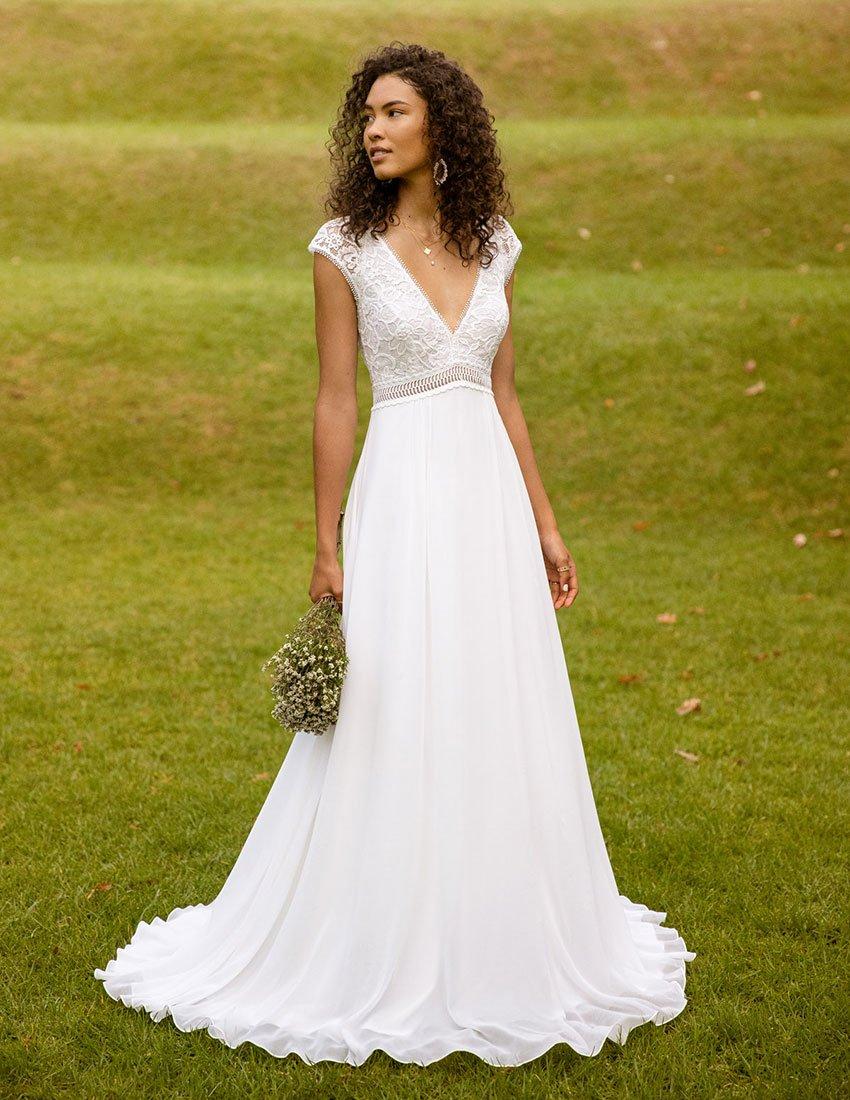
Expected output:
{"points": [[429, 875]]}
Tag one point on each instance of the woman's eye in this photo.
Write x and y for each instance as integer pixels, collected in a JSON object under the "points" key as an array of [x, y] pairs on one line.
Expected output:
{"points": [[366, 118]]}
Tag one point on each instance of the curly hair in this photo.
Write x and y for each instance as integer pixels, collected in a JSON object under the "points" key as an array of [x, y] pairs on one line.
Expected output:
{"points": [[459, 128]]}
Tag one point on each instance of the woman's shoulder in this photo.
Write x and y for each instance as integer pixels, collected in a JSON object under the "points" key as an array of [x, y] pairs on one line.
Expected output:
{"points": [[332, 240], [503, 232], [508, 244], [331, 231]]}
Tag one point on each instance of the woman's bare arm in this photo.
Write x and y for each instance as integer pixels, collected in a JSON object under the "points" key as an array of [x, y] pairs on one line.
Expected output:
{"points": [[555, 552], [335, 416], [510, 409]]}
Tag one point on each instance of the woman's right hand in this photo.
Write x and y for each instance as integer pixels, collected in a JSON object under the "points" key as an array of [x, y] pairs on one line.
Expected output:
{"points": [[327, 579]]}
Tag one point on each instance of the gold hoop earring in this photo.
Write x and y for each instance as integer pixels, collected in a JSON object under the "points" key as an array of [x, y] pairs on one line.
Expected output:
{"points": [[443, 171]]}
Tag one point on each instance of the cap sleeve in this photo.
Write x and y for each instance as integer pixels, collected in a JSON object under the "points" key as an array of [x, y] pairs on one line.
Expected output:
{"points": [[330, 241], [511, 246]]}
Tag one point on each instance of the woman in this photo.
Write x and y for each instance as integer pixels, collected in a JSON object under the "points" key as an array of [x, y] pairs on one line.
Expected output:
{"points": [[429, 875]]}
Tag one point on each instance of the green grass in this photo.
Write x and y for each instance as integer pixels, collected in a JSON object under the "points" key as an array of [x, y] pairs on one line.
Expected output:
{"points": [[160, 175], [256, 62]]}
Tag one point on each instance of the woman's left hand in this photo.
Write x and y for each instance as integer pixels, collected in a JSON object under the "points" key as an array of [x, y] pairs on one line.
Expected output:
{"points": [[564, 584]]}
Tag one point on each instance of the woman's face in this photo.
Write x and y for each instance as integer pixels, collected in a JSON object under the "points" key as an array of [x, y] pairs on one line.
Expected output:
{"points": [[394, 118]]}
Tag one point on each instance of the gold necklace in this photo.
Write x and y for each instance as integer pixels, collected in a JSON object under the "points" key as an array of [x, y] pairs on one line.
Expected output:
{"points": [[425, 245]]}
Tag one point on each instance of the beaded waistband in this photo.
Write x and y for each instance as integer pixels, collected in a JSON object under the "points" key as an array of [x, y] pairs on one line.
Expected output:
{"points": [[460, 374]]}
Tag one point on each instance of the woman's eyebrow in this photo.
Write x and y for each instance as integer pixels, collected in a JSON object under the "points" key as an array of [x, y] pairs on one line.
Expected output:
{"points": [[389, 103]]}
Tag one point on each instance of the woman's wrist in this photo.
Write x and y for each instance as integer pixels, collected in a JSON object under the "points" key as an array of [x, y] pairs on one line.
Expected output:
{"points": [[326, 551], [328, 543]]}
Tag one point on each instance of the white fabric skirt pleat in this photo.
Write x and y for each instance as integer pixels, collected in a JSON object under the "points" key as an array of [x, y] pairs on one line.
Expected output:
{"points": [[429, 875]]}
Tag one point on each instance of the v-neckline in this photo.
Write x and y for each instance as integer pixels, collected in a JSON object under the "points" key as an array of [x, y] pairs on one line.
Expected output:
{"points": [[451, 331]]}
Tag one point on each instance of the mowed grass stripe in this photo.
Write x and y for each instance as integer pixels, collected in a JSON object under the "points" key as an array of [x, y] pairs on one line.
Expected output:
{"points": [[652, 192], [164, 382], [127, 60], [606, 133]]}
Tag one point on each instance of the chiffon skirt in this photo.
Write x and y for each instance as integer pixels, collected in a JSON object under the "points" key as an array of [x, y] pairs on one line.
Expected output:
{"points": [[429, 875]]}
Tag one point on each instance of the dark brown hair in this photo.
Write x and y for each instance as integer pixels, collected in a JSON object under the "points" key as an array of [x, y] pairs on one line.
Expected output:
{"points": [[459, 128]]}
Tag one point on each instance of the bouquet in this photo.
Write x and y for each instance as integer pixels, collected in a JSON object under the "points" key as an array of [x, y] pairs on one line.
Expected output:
{"points": [[309, 669]]}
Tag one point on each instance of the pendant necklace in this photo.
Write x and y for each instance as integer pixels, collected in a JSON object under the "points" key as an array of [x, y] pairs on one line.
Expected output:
{"points": [[426, 245]]}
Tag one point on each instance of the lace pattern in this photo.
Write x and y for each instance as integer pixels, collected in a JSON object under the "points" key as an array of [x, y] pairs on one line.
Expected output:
{"points": [[331, 242], [512, 247], [408, 348], [460, 374]]}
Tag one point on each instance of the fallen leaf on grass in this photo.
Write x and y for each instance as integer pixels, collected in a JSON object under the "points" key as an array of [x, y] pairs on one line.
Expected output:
{"points": [[755, 388], [806, 596], [102, 886], [800, 539], [697, 610], [666, 617], [750, 365], [764, 656], [78, 746], [260, 776], [689, 706], [641, 524], [630, 677], [691, 757]]}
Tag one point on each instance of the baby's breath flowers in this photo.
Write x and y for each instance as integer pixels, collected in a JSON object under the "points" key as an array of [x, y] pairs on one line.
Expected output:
{"points": [[309, 669]]}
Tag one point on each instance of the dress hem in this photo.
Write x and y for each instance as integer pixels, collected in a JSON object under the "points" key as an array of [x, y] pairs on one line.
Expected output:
{"points": [[659, 947]]}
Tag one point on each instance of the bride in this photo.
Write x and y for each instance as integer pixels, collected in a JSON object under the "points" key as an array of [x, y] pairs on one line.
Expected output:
{"points": [[429, 875]]}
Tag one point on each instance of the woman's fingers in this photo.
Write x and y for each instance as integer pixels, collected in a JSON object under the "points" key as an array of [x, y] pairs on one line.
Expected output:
{"points": [[571, 582], [567, 583], [554, 578]]}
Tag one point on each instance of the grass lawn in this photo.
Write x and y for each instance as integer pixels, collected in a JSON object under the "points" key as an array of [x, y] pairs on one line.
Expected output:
{"points": [[160, 176]]}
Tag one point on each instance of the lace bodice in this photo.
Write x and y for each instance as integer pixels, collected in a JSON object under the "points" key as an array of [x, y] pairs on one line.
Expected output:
{"points": [[408, 348]]}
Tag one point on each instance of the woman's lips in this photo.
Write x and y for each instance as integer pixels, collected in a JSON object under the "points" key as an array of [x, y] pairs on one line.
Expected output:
{"points": [[379, 154]]}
